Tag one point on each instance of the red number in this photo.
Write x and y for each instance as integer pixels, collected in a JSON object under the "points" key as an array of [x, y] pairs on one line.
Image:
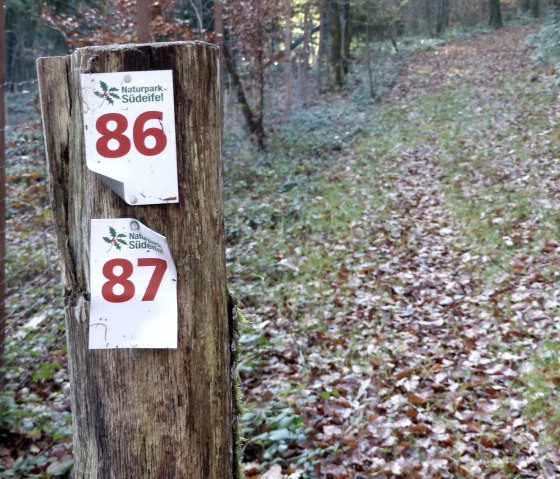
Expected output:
{"points": [[102, 145], [139, 134], [108, 289], [155, 281]]}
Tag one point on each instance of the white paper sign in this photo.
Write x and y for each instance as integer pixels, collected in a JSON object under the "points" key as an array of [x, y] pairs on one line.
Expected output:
{"points": [[129, 133], [133, 285]]}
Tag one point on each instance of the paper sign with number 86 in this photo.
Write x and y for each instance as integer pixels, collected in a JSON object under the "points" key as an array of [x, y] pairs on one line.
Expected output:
{"points": [[133, 287], [129, 134]]}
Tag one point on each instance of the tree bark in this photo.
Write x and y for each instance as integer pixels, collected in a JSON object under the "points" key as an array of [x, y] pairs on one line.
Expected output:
{"points": [[219, 20], [323, 40], [305, 59], [2, 186], [368, 52], [144, 413], [428, 17], [495, 14], [442, 20], [346, 34], [288, 77], [219, 31], [198, 13], [535, 8], [143, 21], [336, 37], [254, 126], [301, 39]]}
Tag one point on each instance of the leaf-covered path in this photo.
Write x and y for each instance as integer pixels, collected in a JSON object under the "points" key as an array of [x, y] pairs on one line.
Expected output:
{"points": [[419, 336]]}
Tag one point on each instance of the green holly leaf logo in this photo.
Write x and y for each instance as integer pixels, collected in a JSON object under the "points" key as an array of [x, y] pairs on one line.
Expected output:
{"points": [[106, 93], [115, 239]]}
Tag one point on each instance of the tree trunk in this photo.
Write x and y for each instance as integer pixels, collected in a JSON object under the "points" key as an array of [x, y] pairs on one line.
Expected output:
{"points": [[442, 20], [261, 34], [2, 187], [535, 8], [254, 126], [323, 40], [305, 60], [219, 19], [261, 85], [219, 31], [555, 4], [368, 53], [147, 413], [288, 77], [346, 34], [495, 14], [198, 13], [337, 41], [143, 21], [428, 17]]}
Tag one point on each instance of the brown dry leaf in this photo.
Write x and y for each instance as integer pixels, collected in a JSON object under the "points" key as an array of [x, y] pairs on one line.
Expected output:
{"points": [[415, 399]]}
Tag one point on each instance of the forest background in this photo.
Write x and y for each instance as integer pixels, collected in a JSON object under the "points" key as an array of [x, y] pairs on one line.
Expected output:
{"points": [[339, 115]]}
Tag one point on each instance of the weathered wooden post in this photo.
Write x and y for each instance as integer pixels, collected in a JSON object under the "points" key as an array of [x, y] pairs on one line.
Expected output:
{"points": [[145, 413]]}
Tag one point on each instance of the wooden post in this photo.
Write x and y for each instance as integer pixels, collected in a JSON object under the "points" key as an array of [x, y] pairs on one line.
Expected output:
{"points": [[147, 413]]}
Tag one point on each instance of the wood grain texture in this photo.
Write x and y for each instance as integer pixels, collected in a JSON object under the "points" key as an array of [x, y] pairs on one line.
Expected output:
{"points": [[139, 414]]}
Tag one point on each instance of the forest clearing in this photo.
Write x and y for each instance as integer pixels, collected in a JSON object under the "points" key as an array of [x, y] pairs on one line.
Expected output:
{"points": [[397, 264]]}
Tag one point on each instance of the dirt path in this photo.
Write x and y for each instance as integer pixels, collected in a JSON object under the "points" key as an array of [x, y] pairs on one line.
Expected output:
{"points": [[460, 338], [456, 336], [421, 368], [481, 61]]}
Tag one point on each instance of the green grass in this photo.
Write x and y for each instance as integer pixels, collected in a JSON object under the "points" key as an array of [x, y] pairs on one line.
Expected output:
{"points": [[543, 394]]}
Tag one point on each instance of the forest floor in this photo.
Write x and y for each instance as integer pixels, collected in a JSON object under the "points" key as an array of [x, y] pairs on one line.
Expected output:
{"points": [[401, 294], [412, 321]]}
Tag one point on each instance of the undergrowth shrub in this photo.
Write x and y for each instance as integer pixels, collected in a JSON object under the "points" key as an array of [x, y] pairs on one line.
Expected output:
{"points": [[547, 44]]}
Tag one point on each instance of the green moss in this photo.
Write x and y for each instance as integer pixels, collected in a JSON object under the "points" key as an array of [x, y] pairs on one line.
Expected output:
{"points": [[235, 316]]}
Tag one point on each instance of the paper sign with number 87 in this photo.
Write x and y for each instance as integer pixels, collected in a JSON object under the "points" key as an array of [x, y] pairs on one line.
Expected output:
{"points": [[133, 287], [122, 279]]}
